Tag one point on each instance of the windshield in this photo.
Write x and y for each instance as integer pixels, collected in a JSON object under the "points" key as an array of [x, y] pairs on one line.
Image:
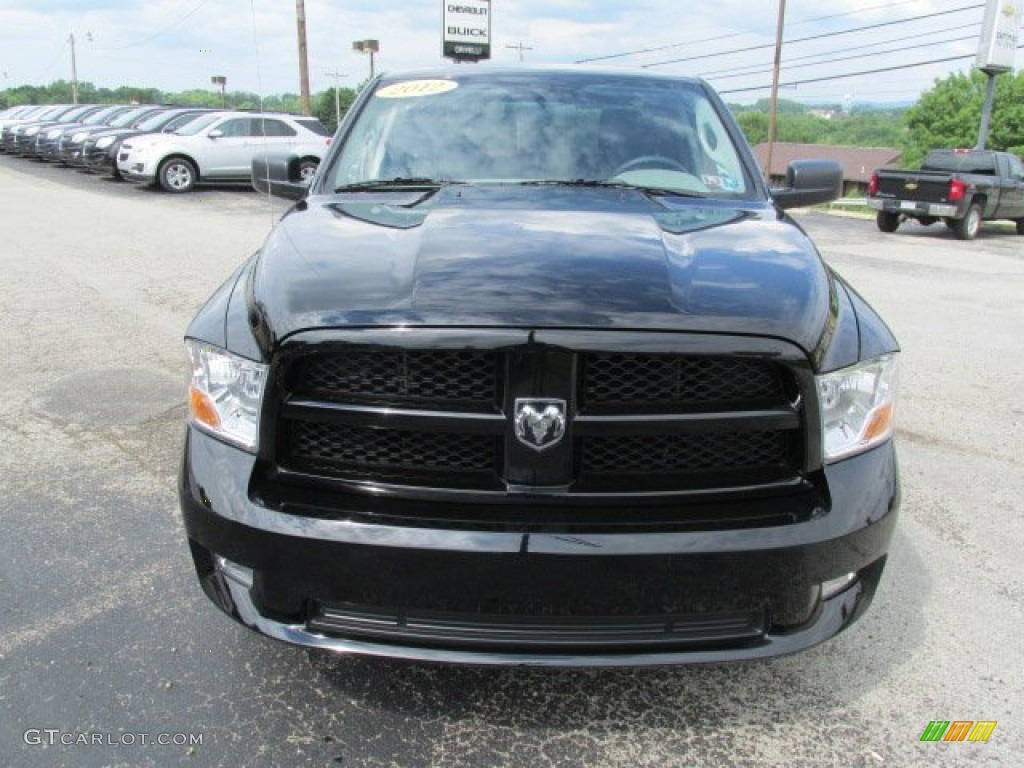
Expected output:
{"points": [[195, 126], [129, 117], [962, 162], [156, 122], [313, 125], [99, 118], [74, 114], [562, 127]]}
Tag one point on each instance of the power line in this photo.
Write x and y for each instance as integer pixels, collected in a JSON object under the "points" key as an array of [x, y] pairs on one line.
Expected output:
{"points": [[795, 83], [749, 69], [816, 37], [738, 34], [58, 55], [857, 56], [163, 31]]}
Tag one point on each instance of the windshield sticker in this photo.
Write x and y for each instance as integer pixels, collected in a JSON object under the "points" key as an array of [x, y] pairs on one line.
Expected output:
{"points": [[411, 89], [724, 182]]}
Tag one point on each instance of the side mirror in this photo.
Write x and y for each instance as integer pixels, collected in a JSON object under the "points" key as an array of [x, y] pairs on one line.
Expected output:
{"points": [[810, 182], [216, 133], [279, 175]]}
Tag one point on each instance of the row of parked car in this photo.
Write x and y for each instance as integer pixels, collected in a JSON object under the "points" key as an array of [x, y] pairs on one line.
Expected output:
{"points": [[175, 147]]}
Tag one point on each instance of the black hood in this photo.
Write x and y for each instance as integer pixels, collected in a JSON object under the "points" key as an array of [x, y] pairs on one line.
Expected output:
{"points": [[540, 257]]}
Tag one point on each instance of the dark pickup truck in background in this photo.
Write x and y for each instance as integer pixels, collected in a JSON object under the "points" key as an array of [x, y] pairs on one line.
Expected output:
{"points": [[962, 187]]}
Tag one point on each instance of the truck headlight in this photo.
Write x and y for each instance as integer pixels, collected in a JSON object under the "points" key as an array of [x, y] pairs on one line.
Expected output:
{"points": [[857, 406], [225, 393], [105, 142]]}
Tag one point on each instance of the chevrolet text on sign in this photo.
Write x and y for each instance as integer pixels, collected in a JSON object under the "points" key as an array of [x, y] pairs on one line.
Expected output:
{"points": [[466, 29]]}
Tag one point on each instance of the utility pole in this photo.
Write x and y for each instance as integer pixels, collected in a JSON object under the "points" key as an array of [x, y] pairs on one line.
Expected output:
{"points": [[300, 17], [773, 113], [520, 48], [74, 70], [337, 95]]}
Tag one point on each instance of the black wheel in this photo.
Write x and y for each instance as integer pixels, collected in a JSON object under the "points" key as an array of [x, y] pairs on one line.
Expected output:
{"points": [[177, 174], [307, 167], [1020, 226], [967, 227], [887, 222], [950, 224]]}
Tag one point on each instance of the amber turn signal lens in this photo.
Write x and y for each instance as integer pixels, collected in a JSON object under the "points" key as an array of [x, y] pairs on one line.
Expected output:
{"points": [[202, 408], [880, 423]]}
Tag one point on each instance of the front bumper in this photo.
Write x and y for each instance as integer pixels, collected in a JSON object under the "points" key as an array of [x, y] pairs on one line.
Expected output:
{"points": [[914, 208], [326, 579], [135, 166]]}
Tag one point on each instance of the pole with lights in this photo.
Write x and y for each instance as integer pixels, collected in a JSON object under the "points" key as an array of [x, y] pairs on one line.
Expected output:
{"points": [[367, 46], [222, 81]]}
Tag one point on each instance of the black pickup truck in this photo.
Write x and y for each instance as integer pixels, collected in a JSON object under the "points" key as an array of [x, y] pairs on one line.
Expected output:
{"points": [[538, 371], [961, 187]]}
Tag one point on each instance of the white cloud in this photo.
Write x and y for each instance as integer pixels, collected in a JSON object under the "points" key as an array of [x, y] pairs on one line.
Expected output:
{"points": [[151, 43]]}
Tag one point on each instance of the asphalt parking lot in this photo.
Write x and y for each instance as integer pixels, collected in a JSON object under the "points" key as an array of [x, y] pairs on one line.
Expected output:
{"points": [[104, 633]]}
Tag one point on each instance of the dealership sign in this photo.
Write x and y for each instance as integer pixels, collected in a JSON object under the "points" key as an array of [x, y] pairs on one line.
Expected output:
{"points": [[466, 29], [1000, 35]]}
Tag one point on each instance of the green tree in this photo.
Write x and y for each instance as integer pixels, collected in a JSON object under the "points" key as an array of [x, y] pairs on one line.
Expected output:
{"points": [[868, 128], [754, 125], [324, 106], [863, 128], [949, 115]]}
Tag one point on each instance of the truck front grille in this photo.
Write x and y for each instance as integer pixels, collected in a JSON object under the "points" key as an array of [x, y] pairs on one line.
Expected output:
{"points": [[694, 454], [367, 373], [364, 449], [636, 381], [442, 419]]}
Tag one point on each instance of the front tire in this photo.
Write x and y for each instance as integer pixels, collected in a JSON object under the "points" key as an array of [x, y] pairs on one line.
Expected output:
{"points": [[177, 175], [307, 168], [887, 222], [967, 227], [1020, 226]]}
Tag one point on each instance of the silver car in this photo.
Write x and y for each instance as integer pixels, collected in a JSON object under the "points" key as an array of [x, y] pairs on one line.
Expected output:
{"points": [[220, 147]]}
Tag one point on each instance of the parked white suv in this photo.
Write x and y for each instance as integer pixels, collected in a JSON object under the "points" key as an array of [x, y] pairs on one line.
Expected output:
{"points": [[220, 146]]}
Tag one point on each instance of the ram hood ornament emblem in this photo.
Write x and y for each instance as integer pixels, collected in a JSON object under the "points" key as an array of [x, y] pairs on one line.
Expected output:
{"points": [[540, 424]]}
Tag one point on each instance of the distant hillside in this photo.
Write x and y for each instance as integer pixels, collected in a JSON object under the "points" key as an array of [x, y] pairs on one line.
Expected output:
{"points": [[824, 123]]}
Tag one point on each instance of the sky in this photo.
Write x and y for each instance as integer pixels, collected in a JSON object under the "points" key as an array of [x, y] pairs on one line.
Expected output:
{"points": [[177, 45]]}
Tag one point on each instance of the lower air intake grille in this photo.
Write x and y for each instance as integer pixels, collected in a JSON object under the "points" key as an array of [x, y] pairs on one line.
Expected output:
{"points": [[540, 634]]}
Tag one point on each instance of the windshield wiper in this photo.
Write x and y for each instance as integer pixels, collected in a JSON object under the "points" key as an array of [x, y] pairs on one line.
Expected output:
{"points": [[395, 183], [611, 184]]}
